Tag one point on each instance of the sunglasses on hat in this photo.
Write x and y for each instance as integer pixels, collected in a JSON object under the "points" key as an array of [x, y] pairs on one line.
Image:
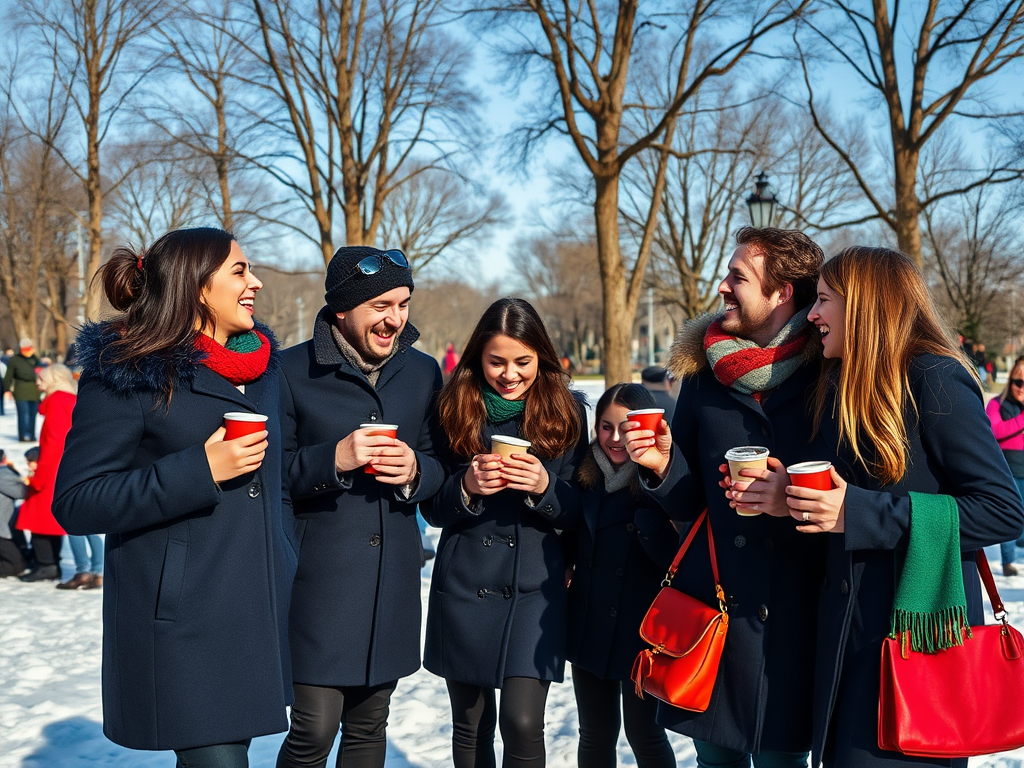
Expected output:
{"points": [[374, 263]]}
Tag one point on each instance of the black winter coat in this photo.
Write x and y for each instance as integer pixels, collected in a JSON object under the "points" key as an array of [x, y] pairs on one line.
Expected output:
{"points": [[620, 556], [197, 576], [355, 617], [497, 597], [770, 572], [952, 452]]}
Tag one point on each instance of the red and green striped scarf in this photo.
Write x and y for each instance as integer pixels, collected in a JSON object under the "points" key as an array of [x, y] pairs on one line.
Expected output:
{"points": [[748, 368]]}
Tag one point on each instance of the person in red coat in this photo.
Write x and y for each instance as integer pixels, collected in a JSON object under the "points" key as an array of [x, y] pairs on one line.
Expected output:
{"points": [[60, 393]]}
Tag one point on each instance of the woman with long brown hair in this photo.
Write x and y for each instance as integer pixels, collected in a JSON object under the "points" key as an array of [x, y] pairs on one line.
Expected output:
{"points": [[899, 410], [497, 612], [198, 562]]}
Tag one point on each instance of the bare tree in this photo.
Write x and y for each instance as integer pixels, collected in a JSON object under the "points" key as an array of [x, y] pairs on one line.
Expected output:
{"points": [[93, 42], [954, 49], [371, 94], [436, 213], [585, 54]]}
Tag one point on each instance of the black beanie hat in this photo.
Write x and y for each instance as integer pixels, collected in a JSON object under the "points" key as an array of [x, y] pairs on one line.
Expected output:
{"points": [[347, 287]]}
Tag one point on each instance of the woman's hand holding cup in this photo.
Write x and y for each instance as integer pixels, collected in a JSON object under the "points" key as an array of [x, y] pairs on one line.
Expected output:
{"points": [[649, 448], [483, 477], [229, 459], [764, 491], [524, 472]]}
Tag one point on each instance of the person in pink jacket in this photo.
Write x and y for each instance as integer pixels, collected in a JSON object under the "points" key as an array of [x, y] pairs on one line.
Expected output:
{"points": [[1006, 412]]}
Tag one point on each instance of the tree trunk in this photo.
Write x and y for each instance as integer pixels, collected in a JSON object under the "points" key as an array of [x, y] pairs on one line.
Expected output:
{"points": [[908, 206], [617, 321]]}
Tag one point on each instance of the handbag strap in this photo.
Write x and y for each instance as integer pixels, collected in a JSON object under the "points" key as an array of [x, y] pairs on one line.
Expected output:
{"points": [[990, 585], [667, 581]]}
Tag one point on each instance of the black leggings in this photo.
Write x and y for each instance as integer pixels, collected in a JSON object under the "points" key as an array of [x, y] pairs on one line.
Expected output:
{"points": [[234, 755], [362, 711], [11, 561], [597, 702], [521, 720], [47, 549]]}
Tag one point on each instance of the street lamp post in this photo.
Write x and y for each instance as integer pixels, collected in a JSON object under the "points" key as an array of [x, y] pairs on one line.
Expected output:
{"points": [[762, 202]]}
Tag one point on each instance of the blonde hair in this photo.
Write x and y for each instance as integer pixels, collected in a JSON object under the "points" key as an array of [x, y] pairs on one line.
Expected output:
{"points": [[1006, 390], [58, 378], [890, 320]]}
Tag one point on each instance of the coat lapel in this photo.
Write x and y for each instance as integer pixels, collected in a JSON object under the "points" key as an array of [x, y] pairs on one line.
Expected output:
{"points": [[209, 383]]}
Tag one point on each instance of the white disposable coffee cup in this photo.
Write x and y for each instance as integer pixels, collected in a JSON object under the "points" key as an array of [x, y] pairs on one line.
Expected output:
{"points": [[746, 457], [506, 445]]}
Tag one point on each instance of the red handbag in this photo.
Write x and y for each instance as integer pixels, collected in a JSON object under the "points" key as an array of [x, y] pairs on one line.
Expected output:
{"points": [[959, 702], [687, 638]]}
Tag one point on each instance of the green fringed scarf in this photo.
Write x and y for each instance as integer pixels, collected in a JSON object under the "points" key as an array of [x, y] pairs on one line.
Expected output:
{"points": [[499, 409], [930, 611]]}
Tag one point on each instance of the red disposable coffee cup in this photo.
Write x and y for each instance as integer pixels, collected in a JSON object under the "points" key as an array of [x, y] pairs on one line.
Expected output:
{"points": [[384, 430], [811, 474], [239, 424], [649, 418]]}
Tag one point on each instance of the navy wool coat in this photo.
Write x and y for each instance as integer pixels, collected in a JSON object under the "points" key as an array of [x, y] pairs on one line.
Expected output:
{"points": [[620, 556], [770, 572], [355, 617], [952, 452], [497, 597], [197, 576]]}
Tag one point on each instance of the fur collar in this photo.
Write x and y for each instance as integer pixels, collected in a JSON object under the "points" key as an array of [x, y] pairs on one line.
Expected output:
{"points": [[150, 373], [591, 478], [687, 358]]}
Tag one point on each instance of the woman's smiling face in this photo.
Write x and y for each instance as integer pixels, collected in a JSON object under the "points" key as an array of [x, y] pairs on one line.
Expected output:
{"points": [[612, 439], [829, 316], [509, 366]]}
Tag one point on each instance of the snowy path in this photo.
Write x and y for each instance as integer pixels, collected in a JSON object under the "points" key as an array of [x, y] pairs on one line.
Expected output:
{"points": [[50, 686]]}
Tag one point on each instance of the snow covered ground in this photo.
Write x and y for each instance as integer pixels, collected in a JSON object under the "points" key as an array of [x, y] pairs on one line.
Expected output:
{"points": [[50, 714]]}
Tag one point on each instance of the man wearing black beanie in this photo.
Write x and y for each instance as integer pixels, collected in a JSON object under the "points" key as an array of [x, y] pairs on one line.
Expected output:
{"points": [[354, 624]]}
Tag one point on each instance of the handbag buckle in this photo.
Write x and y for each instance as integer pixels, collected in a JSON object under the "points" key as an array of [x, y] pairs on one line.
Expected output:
{"points": [[720, 594], [667, 581]]}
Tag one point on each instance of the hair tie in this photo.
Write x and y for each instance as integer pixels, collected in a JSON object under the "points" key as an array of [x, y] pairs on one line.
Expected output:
{"points": [[138, 264]]}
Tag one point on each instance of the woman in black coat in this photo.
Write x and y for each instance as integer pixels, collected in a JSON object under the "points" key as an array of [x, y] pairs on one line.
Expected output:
{"points": [[198, 565], [496, 617], [620, 557], [900, 410]]}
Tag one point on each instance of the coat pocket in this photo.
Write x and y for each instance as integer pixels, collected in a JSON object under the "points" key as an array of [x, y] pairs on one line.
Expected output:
{"points": [[172, 579]]}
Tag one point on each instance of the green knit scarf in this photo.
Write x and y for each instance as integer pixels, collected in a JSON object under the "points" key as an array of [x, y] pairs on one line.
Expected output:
{"points": [[499, 409], [930, 610], [244, 342]]}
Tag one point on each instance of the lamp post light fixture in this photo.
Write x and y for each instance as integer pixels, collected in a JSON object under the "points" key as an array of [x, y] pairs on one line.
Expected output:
{"points": [[762, 203]]}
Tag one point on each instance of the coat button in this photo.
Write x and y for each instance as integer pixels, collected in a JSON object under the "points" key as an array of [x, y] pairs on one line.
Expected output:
{"points": [[612, 612], [762, 612], [375, 540], [254, 490], [740, 541], [511, 542], [488, 541], [507, 593], [844, 587], [630, 527], [769, 544], [620, 572], [372, 416], [481, 593], [548, 508]]}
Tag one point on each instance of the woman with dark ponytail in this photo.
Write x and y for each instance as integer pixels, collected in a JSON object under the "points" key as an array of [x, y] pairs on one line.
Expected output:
{"points": [[198, 566]]}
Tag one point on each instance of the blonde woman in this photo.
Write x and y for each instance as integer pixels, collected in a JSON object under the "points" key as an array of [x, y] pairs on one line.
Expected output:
{"points": [[60, 392], [899, 410]]}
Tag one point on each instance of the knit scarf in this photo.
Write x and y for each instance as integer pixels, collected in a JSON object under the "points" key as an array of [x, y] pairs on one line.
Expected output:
{"points": [[748, 368], [615, 477], [930, 610], [370, 370], [500, 410], [241, 361]]}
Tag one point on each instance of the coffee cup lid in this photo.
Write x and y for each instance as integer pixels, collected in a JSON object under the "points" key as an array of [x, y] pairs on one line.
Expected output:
{"points": [[642, 411], [809, 467], [377, 425], [244, 416], [746, 453], [508, 440]]}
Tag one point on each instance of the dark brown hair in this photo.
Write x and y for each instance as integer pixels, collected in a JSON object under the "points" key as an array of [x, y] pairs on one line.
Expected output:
{"points": [[635, 397], [551, 418], [158, 290], [790, 256]]}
